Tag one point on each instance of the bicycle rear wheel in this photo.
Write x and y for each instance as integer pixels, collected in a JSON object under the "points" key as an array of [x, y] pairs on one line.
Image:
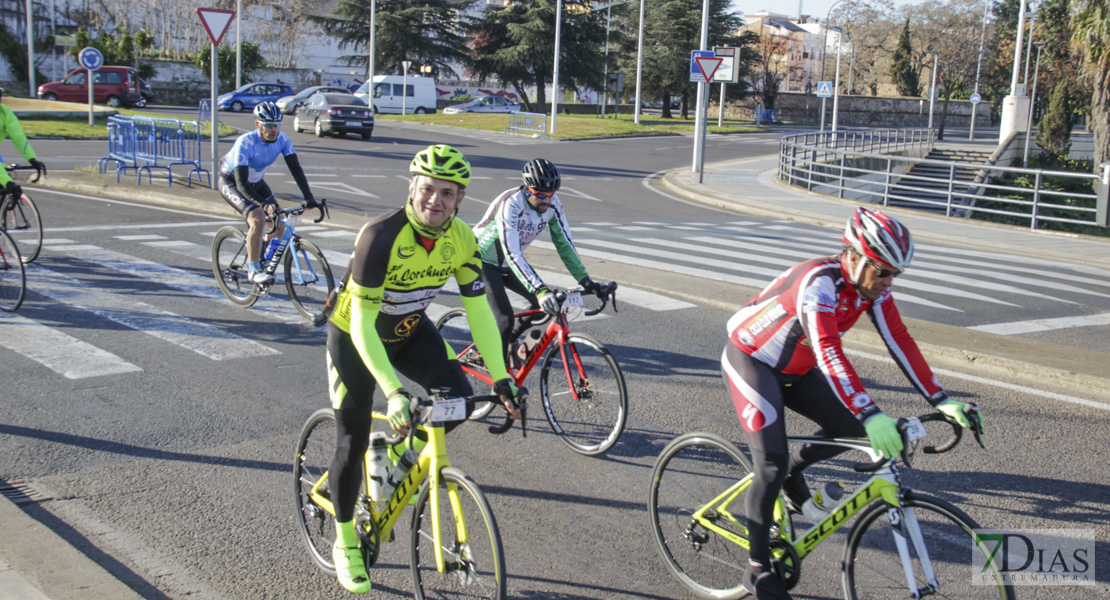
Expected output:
{"points": [[691, 472], [229, 265], [456, 332], [873, 569], [13, 280], [315, 449], [21, 221], [309, 281], [472, 552], [584, 396]]}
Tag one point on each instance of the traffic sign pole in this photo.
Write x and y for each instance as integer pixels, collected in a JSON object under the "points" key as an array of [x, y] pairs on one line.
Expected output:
{"points": [[975, 99], [91, 59], [215, 22]]}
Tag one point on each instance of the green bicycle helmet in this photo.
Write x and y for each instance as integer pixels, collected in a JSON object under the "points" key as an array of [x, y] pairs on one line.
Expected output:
{"points": [[442, 162]]}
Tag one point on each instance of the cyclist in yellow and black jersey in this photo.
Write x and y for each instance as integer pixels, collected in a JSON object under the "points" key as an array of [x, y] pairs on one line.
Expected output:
{"points": [[379, 328]]}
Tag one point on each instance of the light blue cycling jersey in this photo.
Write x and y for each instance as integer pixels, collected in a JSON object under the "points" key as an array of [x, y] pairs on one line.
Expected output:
{"points": [[251, 150]]}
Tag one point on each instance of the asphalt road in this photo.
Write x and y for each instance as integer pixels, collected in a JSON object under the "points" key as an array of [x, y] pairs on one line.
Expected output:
{"points": [[175, 464]]}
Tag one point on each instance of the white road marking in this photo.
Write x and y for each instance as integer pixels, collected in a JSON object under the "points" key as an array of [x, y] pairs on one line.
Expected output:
{"points": [[140, 237], [208, 341], [1035, 325], [62, 353]]}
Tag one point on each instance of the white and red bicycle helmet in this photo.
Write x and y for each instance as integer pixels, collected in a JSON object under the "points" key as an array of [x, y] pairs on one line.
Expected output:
{"points": [[877, 236]]}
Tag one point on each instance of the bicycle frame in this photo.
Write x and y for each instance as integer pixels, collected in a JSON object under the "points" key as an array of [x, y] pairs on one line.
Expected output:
{"points": [[882, 486], [556, 331], [432, 459]]}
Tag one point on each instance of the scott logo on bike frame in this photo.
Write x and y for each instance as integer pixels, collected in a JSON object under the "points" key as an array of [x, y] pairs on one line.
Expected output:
{"points": [[842, 513], [544, 341]]}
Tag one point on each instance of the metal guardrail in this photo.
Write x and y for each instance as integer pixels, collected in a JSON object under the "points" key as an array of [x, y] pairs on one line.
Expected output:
{"points": [[526, 122], [874, 167], [145, 143]]}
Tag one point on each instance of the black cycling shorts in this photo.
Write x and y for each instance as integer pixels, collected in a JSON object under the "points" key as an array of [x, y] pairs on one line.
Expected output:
{"points": [[240, 201]]}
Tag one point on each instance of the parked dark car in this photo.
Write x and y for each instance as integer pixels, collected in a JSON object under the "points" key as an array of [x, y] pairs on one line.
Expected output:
{"points": [[147, 94], [336, 114], [114, 86], [289, 104], [248, 96]]}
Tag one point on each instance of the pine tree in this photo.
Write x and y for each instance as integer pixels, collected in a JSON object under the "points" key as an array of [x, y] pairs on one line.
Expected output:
{"points": [[1054, 130], [906, 77]]}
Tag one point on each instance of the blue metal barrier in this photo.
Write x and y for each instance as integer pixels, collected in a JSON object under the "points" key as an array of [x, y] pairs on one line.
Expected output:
{"points": [[523, 122], [144, 143]]}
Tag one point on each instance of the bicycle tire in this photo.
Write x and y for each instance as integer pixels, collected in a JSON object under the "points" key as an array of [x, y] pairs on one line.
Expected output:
{"points": [[229, 265], [474, 568], [457, 338], [315, 449], [22, 221], [309, 285], [13, 277], [873, 569], [691, 471], [592, 423]]}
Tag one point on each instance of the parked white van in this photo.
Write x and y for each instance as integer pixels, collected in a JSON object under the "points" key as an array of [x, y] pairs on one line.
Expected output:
{"points": [[392, 92]]}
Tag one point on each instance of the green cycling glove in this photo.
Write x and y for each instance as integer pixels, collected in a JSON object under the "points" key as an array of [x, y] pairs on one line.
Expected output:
{"points": [[956, 411], [883, 433], [398, 412]]}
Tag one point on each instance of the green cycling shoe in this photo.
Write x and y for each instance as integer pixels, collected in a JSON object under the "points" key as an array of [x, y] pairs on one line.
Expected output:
{"points": [[350, 569]]}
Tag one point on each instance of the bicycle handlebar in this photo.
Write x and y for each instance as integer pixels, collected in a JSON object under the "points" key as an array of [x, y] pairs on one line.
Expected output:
{"points": [[421, 411], [606, 294], [272, 219], [948, 444], [38, 174]]}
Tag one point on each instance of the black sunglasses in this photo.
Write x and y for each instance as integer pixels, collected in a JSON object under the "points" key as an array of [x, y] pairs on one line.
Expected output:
{"points": [[882, 273]]}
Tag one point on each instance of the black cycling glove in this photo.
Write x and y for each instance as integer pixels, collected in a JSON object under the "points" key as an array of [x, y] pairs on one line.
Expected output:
{"points": [[39, 166], [14, 189]]}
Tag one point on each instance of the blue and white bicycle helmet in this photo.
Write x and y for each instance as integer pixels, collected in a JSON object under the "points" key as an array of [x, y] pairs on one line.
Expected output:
{"points": [[267, 112]]}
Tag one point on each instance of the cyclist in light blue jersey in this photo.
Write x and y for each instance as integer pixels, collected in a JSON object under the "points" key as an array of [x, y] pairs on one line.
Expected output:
{"points": [[242, 186]]}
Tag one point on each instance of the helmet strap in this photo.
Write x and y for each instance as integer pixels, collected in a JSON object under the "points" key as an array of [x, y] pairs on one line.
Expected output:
{"points": [[856, 271]]}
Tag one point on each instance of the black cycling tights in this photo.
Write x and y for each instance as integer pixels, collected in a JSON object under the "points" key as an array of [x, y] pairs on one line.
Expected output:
{"points": [[808, 395]]}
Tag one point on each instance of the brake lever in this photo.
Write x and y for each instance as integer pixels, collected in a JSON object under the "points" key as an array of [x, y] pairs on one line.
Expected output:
{"points": [[323, 210]]}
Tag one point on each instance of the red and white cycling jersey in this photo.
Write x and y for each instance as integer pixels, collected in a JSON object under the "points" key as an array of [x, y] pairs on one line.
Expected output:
{"points": [[797, 321]]}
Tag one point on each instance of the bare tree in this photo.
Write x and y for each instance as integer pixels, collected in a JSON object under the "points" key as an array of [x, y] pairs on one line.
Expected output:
{"points": [[870, 25], [769, 67]]}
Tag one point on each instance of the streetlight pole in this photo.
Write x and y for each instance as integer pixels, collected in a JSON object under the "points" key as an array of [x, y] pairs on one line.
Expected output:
{"points": [[1008, 125], [555, 75], [1032, 105], [639, 63], [370, 65], [404, 85], [932, 86], [978, 68], [825, 47], [238, 45], [605, 88], [836, 83]]}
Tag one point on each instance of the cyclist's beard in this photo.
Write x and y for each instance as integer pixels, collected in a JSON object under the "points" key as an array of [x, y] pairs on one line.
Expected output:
{"points": [[432, 233]]}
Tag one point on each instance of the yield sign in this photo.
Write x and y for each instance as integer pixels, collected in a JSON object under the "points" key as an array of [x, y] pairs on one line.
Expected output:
{"points": [[215, 22], [708, 66]]}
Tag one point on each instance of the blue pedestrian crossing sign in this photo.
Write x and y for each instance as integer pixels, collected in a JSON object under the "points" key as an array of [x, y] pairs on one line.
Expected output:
{"points": [[824, 89]]}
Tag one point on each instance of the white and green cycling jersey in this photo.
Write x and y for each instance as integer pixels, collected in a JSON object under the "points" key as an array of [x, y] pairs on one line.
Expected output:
{"points": [[508, 228]]}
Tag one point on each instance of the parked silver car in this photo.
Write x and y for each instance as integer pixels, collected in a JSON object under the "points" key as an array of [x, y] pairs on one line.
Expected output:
{"points": [[493, 104], [288, 104]]}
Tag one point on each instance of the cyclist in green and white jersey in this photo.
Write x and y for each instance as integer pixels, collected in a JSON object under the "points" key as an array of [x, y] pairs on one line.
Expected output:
{"points": [[509, 226]]}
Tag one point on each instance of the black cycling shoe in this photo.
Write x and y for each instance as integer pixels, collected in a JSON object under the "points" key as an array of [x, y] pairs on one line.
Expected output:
{"points": [[796, 490], [764, 584]]}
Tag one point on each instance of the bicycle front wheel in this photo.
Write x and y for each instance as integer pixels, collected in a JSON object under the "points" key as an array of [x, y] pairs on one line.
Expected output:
{"points": [[456, 332], [229, 265], [873, 568], [315, 449], [13, 280], [21, 221], [474, 562], [694, 471], [308, 280], [584, 395]]}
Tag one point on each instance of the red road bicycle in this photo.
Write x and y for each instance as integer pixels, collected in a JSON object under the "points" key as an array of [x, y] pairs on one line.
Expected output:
{"points": [[581, 384]]}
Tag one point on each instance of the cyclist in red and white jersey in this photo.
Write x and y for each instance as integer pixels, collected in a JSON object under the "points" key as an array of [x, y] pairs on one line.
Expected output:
{"points": [[784, 350]]}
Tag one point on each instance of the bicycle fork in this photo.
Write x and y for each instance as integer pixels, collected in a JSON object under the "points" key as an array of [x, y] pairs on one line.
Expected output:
{"points": [[903, 521]]}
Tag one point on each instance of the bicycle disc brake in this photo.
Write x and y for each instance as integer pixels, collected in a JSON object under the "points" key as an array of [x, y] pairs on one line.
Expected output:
{"points": [[463, 565], [785, 563]]}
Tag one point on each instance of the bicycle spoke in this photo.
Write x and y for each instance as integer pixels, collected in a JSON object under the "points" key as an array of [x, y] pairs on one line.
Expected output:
{"points": [[584, 395], [315, 450]]}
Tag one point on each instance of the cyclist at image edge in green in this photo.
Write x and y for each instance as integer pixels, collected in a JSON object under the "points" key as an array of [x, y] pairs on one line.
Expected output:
{"points": [[10, 127], [785, 350], [379, 328]]}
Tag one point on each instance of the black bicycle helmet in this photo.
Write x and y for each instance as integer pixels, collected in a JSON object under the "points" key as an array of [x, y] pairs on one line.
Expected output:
{"points": [[541, 175], [267, 112]]}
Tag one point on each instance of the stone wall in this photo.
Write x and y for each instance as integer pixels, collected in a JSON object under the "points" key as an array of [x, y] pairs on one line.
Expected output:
{"points": [[876, 112]]}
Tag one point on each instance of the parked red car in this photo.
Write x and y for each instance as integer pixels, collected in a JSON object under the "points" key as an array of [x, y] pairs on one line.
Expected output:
{"points": [[114, 86]]}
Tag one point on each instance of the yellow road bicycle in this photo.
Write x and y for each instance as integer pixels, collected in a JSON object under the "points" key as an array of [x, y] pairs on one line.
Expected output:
{"points": [[455, 544], [904, 544]]}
